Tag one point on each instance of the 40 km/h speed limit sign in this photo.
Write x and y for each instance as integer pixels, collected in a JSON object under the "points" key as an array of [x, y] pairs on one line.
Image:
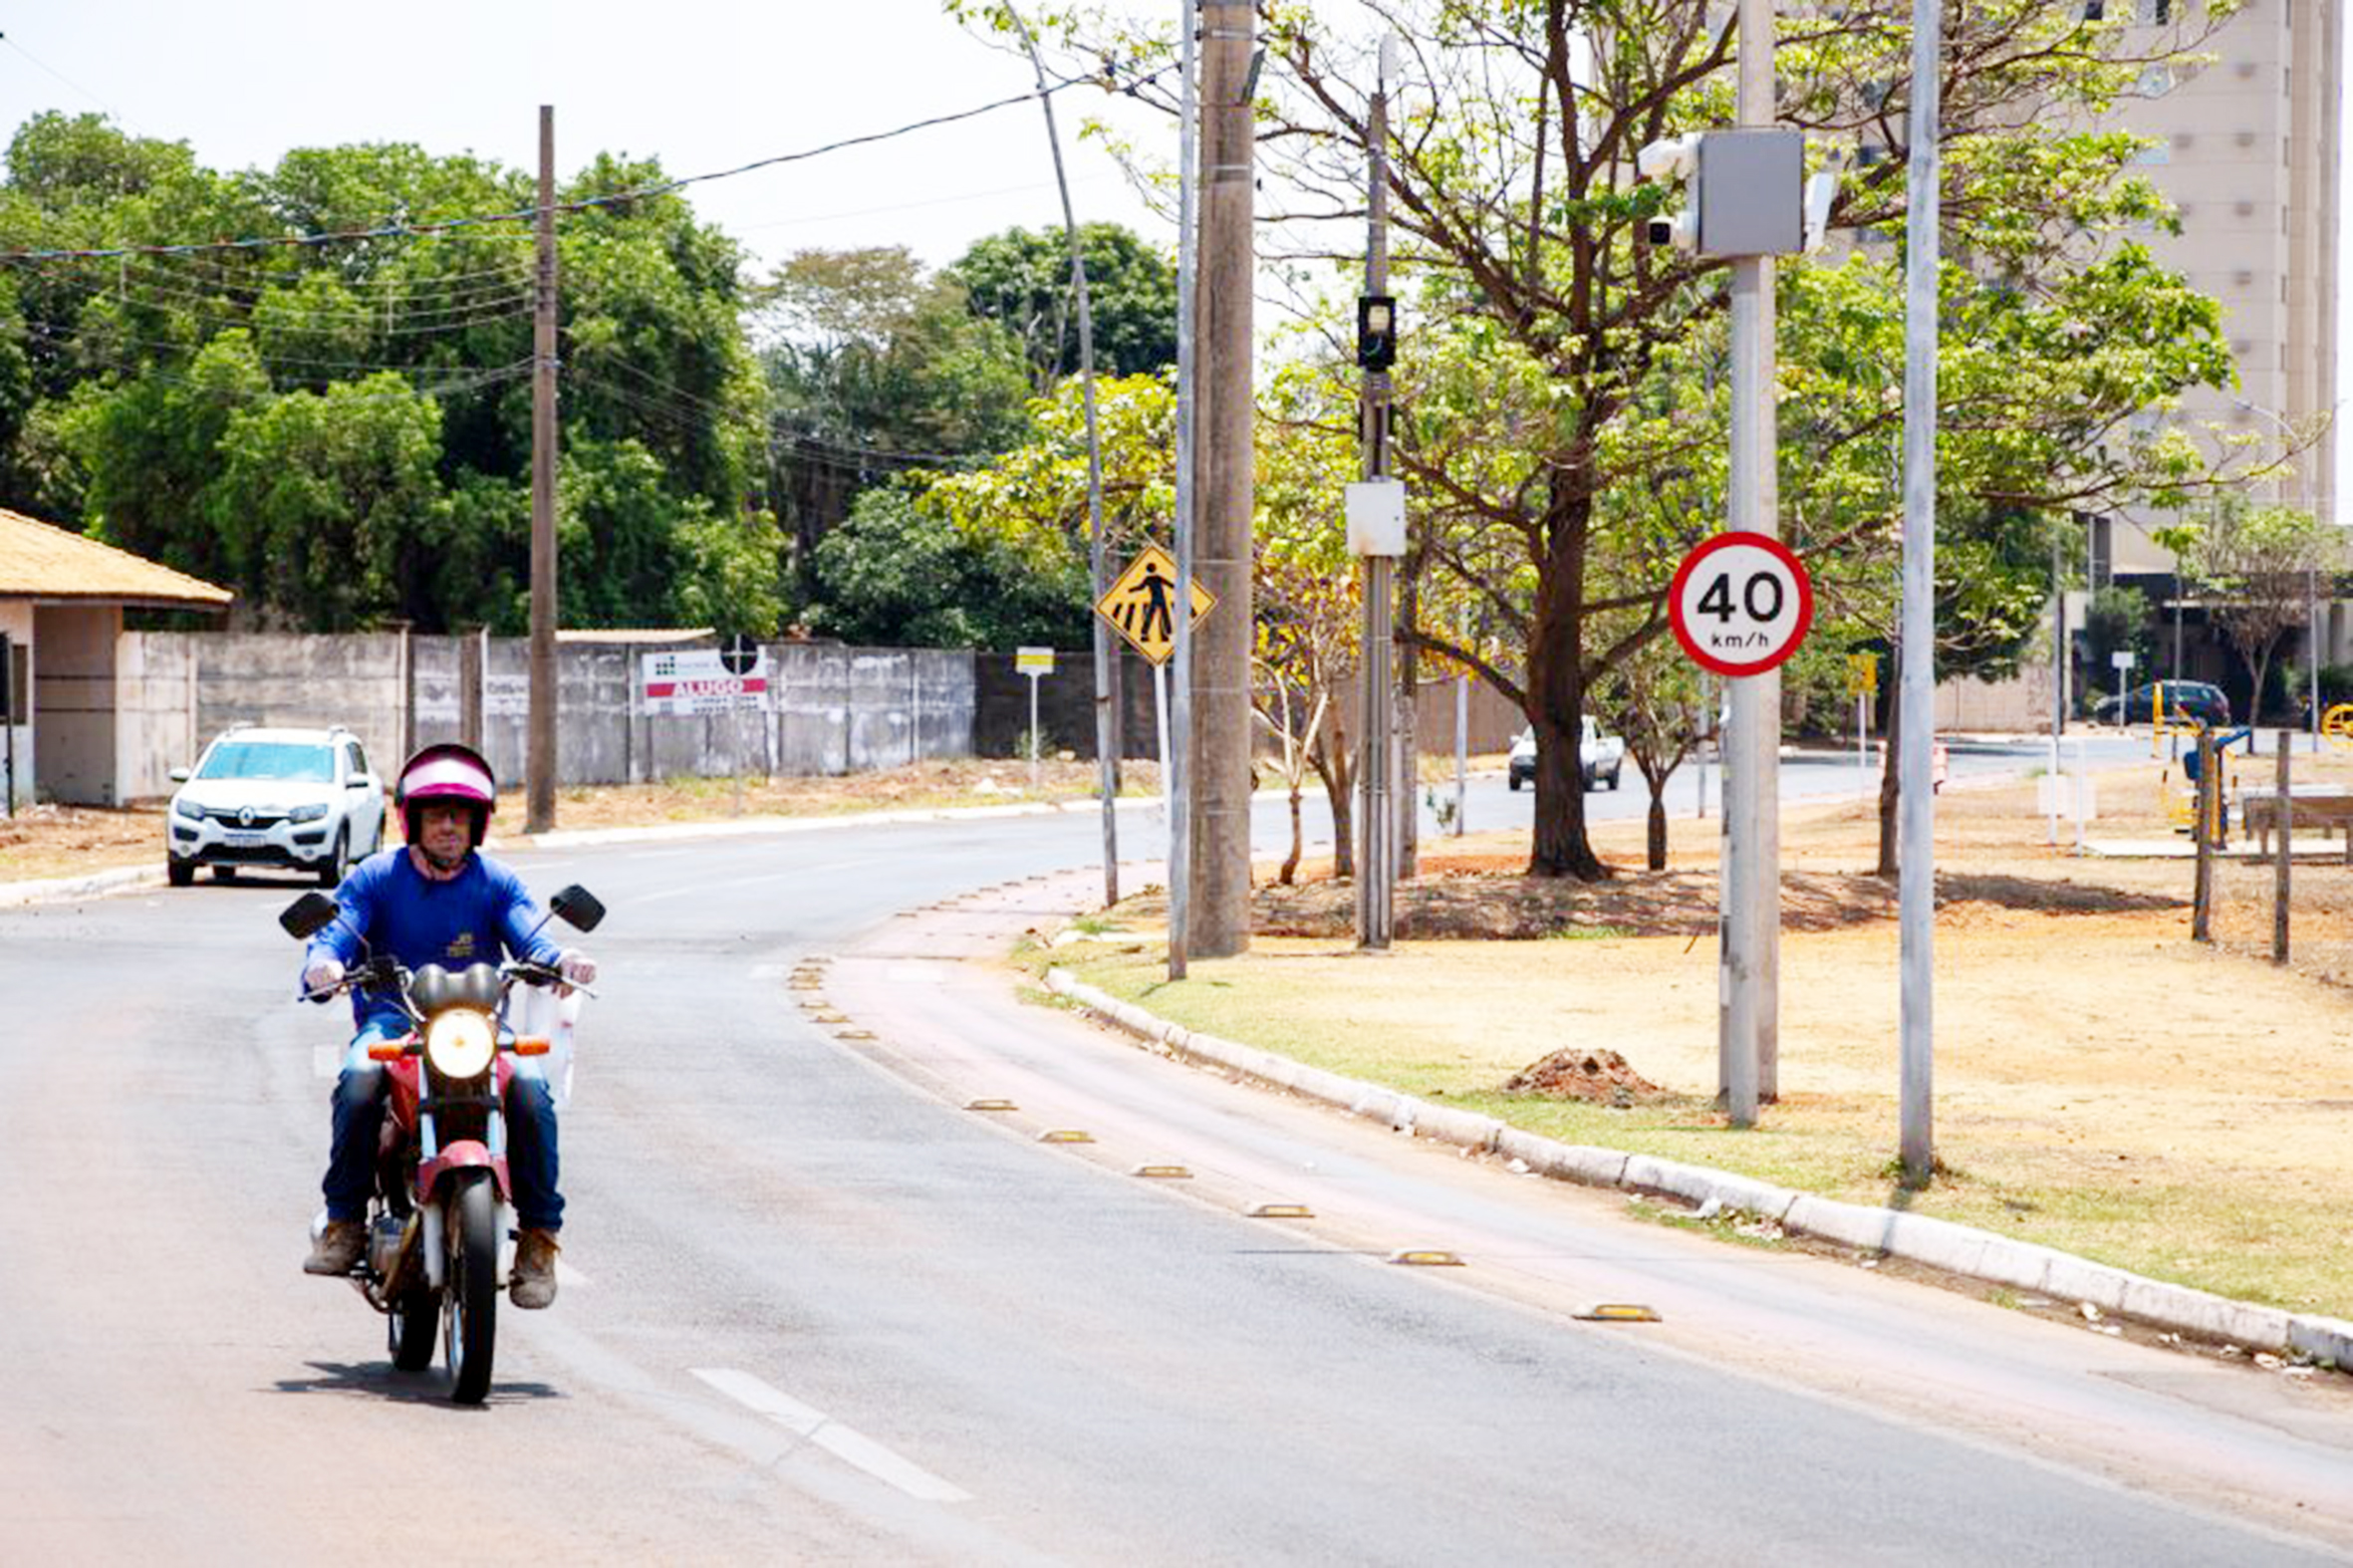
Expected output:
{"points": [[1740, 604]]}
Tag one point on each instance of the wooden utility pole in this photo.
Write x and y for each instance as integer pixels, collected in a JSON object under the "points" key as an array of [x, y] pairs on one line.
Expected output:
{"points": [[2283, 812], [539, 768], [1219, 774]]}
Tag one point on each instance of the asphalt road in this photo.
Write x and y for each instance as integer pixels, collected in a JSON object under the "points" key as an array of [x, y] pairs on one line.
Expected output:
{"points": [[814, 1310]]}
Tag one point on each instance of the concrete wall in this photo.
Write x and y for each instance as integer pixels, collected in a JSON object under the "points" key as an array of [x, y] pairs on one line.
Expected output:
{"points": [[837, 709], [74, 703]]}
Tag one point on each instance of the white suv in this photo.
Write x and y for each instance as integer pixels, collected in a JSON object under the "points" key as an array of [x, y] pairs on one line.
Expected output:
{"points": [[300, 798]]}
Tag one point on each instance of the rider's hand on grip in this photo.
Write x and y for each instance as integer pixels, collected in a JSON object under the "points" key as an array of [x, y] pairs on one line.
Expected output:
{"points": [[321, 976], [578, 968]]}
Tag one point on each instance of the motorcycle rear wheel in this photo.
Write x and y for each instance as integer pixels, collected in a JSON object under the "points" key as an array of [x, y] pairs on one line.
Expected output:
{"points": [[469, 1315]]}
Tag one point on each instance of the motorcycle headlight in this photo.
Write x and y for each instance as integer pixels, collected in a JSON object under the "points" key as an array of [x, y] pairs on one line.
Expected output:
{"points": [[461, 1043]]}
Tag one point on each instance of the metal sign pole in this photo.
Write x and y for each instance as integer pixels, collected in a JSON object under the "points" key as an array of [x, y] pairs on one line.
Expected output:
{"points": [[1034, 747]]}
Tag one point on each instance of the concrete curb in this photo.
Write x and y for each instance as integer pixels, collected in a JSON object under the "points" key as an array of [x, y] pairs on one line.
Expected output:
{"points": [[55, 890], [1939, 1244]]}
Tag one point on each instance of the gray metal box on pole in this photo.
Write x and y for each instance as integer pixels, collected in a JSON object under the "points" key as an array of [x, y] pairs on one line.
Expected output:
{"points": [[1752, 192]]}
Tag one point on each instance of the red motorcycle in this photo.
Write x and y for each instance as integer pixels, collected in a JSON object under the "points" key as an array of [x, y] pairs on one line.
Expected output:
{"points": [[438, 1223]]}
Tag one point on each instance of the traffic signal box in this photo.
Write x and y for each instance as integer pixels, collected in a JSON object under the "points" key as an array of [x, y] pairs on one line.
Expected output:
{"points": [[1744, 191]]}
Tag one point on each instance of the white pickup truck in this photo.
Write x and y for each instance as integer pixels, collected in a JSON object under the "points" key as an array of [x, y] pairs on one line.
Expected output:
{"points": [[1600, 757]]}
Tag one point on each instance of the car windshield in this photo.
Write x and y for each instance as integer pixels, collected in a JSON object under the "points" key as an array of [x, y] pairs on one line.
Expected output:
{"points": [[286, 762]]}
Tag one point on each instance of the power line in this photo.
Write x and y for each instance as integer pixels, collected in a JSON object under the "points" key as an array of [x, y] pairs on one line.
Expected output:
{"points": [[531, 213]]}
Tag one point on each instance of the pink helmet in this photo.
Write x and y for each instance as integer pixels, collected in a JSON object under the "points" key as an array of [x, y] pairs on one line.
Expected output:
{"points": [[447, 774]]}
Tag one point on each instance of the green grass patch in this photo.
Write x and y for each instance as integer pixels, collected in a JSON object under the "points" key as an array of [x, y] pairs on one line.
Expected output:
{"points": [[1398, 1020]]}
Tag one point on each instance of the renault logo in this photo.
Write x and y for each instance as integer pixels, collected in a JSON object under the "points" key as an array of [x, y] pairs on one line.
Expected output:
{"points": [[245, 816]]}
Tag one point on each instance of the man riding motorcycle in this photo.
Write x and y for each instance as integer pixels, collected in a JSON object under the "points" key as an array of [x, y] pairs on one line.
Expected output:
{"points": [[438, 900]]}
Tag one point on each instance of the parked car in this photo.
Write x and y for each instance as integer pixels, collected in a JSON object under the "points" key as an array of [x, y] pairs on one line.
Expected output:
{"points": [[1599, 757], [299, 798], [2184, 699]]}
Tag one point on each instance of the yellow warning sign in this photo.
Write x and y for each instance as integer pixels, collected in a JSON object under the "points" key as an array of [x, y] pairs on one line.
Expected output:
{"points": [[1862, 674], [1141, 604]]}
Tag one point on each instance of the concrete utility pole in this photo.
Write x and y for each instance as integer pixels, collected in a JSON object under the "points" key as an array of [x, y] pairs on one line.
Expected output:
{"points": [[1915, 827], [539, 769], [1219, 774], [1748, 1040], [1377, 816], [1105, 727], [1180, 678]]}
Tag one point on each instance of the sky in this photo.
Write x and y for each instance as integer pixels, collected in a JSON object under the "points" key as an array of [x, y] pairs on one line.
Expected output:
{"points": [[701, 85]]}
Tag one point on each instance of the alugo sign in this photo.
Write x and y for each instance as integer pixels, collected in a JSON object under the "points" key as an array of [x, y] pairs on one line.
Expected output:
{"points": [[1740, 604]]}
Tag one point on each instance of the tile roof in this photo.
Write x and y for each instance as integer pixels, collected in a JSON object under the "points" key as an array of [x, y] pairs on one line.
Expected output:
{"points": [[43, 561]]}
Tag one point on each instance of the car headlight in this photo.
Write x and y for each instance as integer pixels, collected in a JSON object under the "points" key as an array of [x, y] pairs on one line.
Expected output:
{"points": [[181, 808], [305, 813], [461, 1043]]}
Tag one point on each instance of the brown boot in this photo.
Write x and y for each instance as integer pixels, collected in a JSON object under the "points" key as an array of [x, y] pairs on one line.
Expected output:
{"points": [[532, 1285], [337, 1249]]}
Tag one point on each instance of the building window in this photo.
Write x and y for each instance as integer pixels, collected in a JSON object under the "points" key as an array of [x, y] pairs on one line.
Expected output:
{"points": [[2154, 13]]}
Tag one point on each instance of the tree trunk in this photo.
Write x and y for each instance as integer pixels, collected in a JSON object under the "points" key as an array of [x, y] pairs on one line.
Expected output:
{"points": [[2260, 668], [1298, 838], [1329, 757], [1556, 709], [1655, 840]]}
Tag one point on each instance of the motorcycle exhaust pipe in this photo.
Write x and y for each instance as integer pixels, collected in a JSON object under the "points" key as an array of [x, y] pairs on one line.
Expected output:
{"points": [[394, 1251]]}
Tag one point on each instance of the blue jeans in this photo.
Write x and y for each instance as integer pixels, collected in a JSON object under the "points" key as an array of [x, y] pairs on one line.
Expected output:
{"points": [[359, 1122]]}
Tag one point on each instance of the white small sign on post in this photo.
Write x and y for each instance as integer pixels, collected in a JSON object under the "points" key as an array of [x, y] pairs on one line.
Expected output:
{"points": [[692, 681], [1033, 663]]}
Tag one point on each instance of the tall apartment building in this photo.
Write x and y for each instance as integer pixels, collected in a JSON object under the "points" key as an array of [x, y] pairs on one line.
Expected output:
{"points": [[2248, 149]]}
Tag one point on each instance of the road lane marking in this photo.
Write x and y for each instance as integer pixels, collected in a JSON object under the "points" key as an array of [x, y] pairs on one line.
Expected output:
{"points": [[851, 1446]]}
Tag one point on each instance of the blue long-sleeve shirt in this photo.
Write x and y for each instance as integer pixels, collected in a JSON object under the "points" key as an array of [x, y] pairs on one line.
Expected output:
{"points": [[482, 915]]}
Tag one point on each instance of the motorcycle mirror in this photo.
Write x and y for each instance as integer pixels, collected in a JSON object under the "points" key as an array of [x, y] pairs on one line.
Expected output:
{"points": [[306, 915], [578, 907]]}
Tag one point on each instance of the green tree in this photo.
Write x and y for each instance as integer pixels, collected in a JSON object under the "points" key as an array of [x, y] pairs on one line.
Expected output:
{"points": [[317, 501], [1556, 375], [875, 368], [123, 375], [1021, 279], [2256, 564], [902, 573]]}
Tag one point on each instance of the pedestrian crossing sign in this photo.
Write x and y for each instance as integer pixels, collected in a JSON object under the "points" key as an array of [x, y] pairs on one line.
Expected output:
{"points": [[1140, 605]]}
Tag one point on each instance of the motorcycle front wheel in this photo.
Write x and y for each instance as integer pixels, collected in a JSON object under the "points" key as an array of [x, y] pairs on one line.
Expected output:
{"points": [[413, 1319], [469, 1314]]}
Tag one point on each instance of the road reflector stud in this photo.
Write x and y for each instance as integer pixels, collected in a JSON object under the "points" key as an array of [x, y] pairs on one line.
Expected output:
{"points": [[1426, 1257], [1066, 1134], [854, 1034], [1618, 1312], [990, 1105], [1282, 1212], [1167, 1172], [830, 1016]]}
